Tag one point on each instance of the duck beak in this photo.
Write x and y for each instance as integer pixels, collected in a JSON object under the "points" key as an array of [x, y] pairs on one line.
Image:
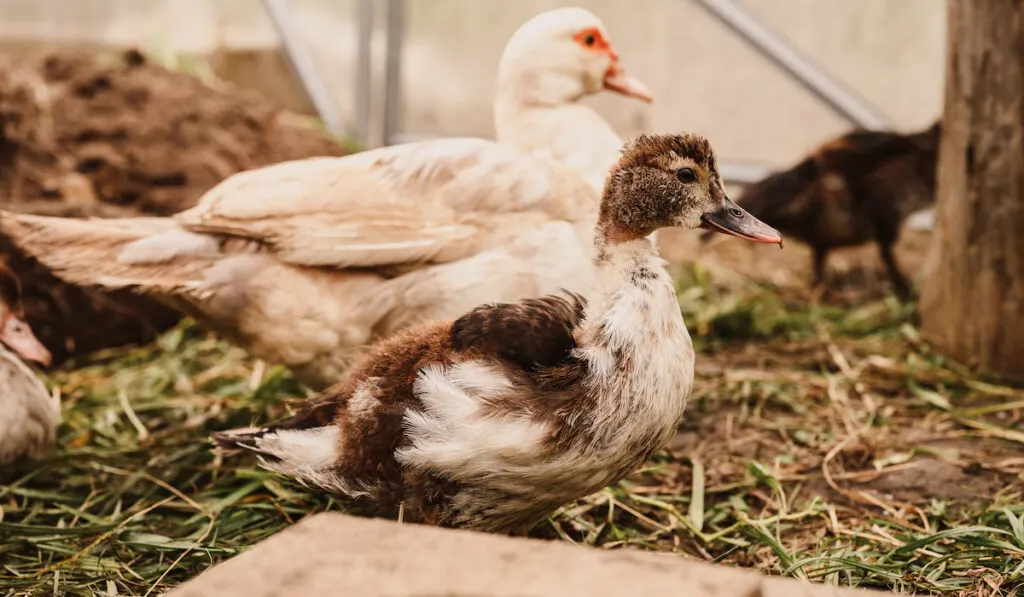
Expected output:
{"points": [[618, 81], [733, 219], [22, 341]]}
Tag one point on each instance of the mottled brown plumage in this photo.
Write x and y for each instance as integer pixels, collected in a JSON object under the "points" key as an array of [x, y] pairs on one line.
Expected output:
{"points": [[494, 420], [856, 189], [530, 334], [634, 215]]}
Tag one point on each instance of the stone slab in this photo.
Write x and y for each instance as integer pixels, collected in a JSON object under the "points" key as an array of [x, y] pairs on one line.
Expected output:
{"points": [[334, 554]]}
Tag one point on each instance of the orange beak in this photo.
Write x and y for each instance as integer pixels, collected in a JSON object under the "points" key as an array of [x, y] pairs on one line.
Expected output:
{"points": [[616, 79]]}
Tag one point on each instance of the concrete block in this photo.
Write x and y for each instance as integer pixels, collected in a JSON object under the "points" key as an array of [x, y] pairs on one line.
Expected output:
{"points": [[334, 554]]}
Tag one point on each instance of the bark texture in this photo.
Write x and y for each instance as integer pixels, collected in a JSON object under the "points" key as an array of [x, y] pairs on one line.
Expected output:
{"points": [[972, 300]]}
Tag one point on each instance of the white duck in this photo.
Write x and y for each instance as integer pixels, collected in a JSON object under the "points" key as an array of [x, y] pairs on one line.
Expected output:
{"points": [[305, 262], [29, 415]]}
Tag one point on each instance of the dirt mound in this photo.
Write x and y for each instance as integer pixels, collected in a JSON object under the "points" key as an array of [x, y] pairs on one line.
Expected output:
{"points": [[140, 136], [85, 135]]}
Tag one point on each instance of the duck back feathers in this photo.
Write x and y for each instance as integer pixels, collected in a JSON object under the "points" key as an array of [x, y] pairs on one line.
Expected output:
{"points": [[530, 334]]}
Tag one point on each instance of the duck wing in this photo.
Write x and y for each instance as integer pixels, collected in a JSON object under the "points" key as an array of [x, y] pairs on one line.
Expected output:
{"points": [[428, 202], [532, 334]]}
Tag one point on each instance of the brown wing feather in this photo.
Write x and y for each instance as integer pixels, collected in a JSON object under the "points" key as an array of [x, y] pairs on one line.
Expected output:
{"points": [[532, 333], [320, 411]]}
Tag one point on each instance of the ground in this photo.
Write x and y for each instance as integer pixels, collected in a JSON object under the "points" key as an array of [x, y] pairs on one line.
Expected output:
{"points": [[823, 441]]}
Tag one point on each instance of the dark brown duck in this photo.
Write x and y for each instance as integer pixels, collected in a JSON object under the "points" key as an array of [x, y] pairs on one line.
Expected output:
{"points": [[856, 189]]}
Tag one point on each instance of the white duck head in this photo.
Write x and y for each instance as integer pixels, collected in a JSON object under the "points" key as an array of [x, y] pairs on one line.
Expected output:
{"points": [[560, 56], [18, 336], [555, 59]]}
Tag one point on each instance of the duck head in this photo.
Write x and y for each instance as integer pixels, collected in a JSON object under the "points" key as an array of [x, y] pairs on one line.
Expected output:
{"points": [[562, 55], [672, 181], [18, 336]]}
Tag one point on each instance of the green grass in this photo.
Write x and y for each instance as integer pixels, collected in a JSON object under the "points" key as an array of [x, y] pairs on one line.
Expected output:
{"points": [[801, 456], [133, 497]]}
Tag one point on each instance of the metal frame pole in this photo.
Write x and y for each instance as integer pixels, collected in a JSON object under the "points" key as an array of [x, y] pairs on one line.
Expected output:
{"points": [[393, 68], [774, 47], [302, 61], [362, 85], [803, 69]]}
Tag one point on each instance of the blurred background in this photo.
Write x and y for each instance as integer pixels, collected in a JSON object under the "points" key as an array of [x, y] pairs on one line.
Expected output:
{"points": [[886, 57]]}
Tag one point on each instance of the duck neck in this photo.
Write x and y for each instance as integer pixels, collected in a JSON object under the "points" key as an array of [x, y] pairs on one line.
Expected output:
{"points": [[533, 88], [632, 297], [572, 133], [627, 265], [638, 352]]}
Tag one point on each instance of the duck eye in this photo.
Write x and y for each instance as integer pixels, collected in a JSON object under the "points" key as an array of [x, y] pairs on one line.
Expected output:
{"points": [[589, 40], [686, 175]]}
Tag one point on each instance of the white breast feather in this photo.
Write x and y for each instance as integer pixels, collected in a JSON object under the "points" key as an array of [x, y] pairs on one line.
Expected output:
{"points": [[642, 323], [451, 435]]}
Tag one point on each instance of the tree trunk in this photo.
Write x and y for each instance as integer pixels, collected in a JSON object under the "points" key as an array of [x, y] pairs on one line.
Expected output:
{"points": [[972, 301]]}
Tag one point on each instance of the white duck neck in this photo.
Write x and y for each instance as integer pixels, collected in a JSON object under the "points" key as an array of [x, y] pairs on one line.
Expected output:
{"points": [[618, 263], [635, 343], [532, 89], [572, 133]]}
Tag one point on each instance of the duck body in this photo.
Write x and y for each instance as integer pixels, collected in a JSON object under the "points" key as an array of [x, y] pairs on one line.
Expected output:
{"points": [[856, 189], [305, 263], [495, 419], [30, 414], [463, 421], [104, 137]]}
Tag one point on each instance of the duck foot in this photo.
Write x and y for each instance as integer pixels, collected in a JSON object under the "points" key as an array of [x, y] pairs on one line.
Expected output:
{"points": [[818, 294]]}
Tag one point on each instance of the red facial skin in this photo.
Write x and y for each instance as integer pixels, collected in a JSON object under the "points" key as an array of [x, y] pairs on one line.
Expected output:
{"points": [[615, 78]]}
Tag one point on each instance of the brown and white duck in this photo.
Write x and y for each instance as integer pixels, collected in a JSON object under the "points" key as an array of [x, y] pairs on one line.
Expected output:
{"points": [[303, 263], [496, 419], [29, 414]]}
